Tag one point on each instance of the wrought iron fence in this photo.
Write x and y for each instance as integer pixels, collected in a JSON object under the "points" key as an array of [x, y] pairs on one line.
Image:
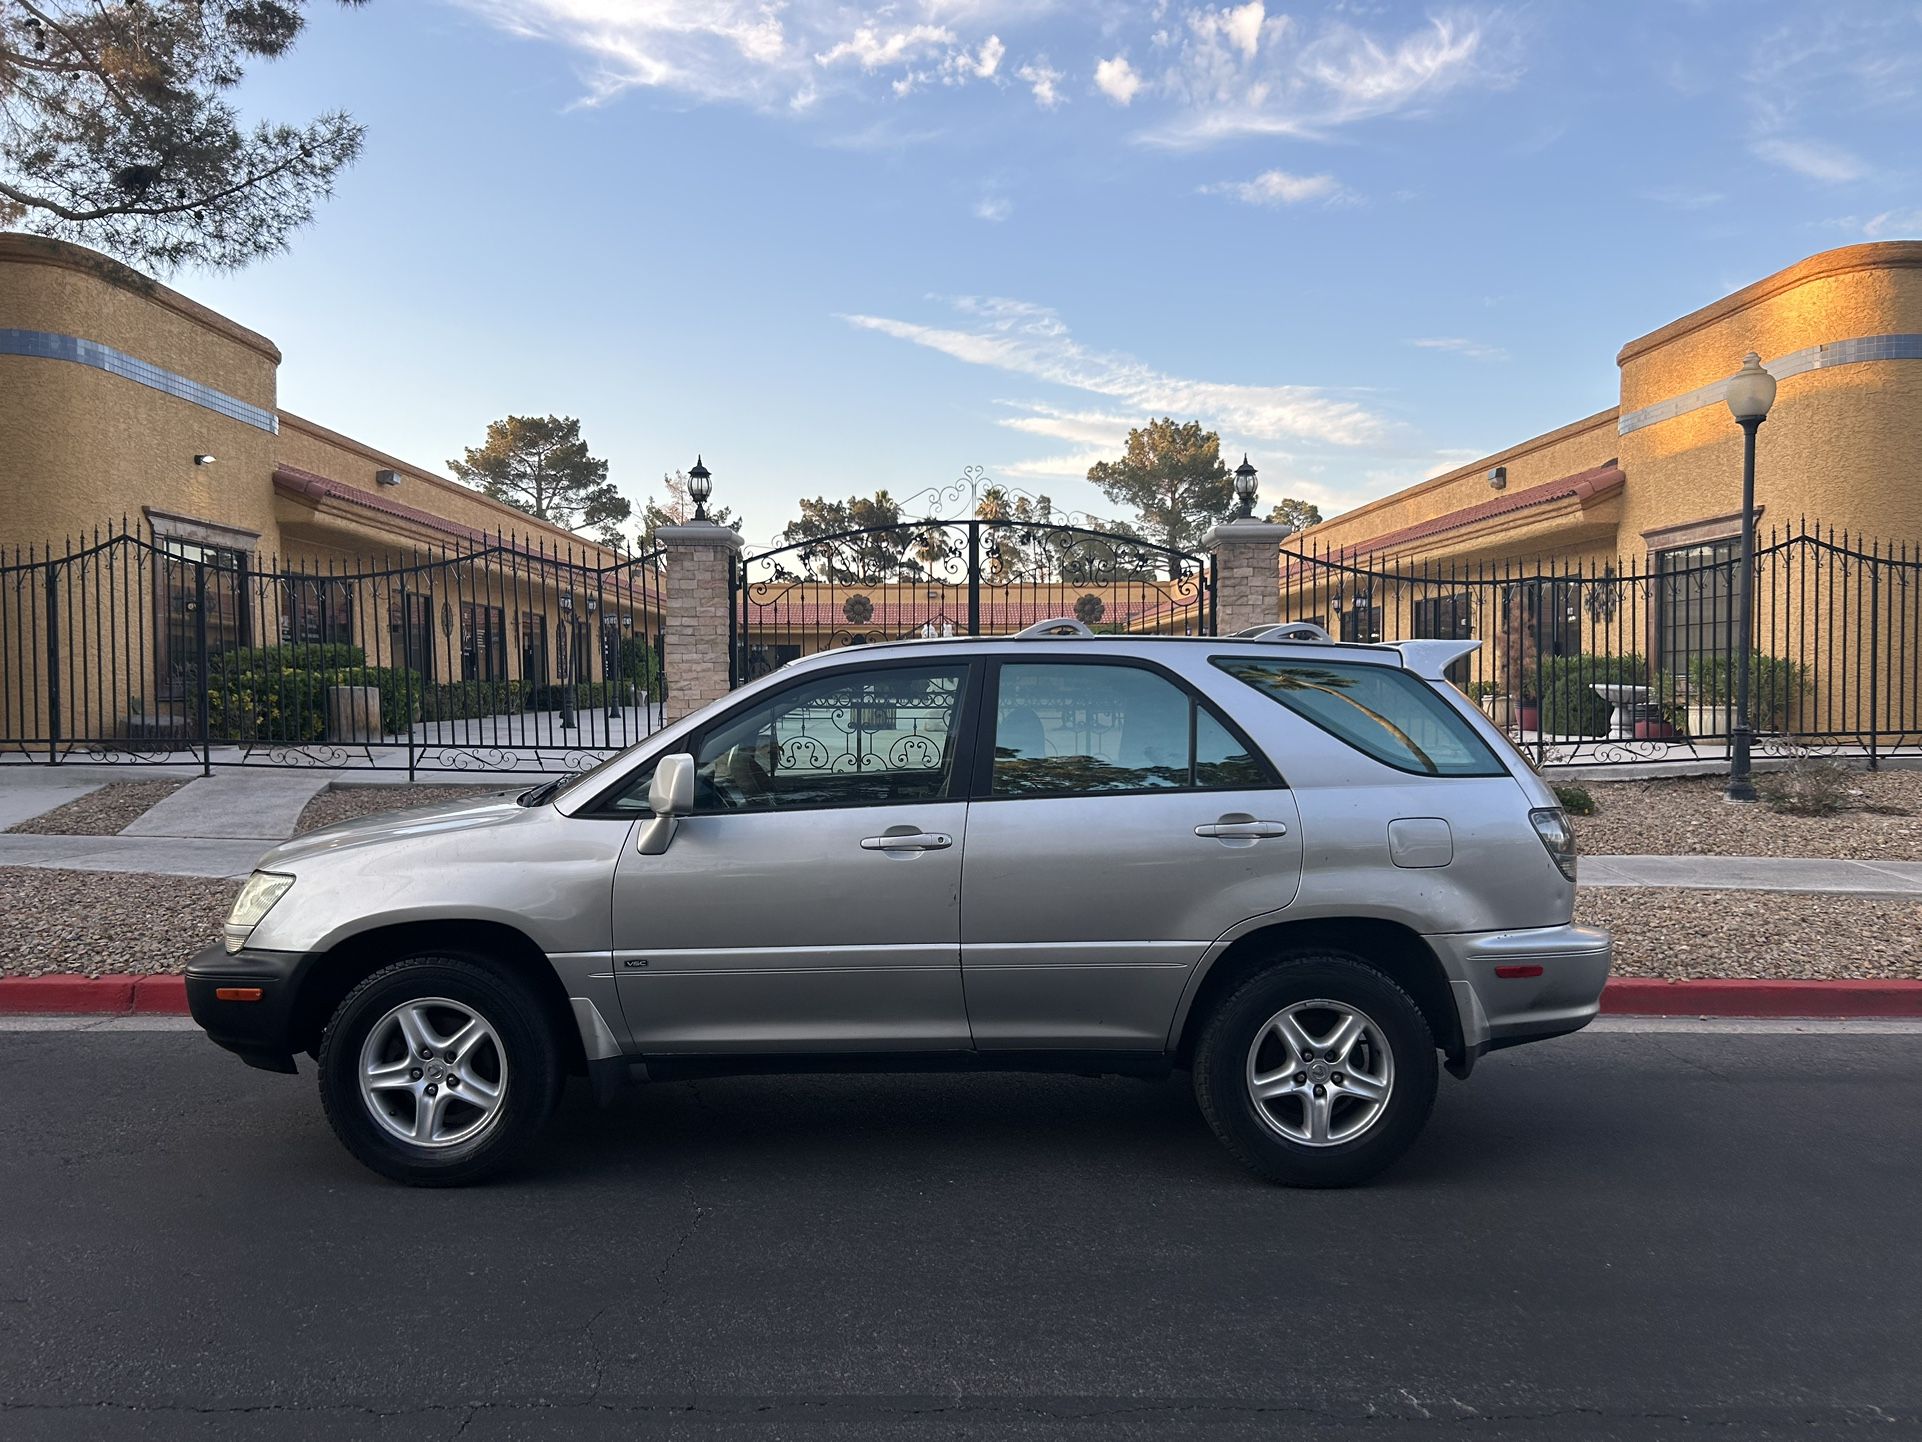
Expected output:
{"points": [[142, 648], [1597, 659], [991, 573]]}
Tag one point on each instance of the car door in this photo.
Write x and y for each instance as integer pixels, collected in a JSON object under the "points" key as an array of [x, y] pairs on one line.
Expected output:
{"points": [[1121, 824], [812, 901]]}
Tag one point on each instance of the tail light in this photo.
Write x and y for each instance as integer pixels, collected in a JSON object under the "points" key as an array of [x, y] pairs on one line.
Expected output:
{"points": [[1558, 837]]}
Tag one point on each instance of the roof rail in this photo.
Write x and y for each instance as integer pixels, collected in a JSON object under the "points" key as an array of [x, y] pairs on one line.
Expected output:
{"points": [[1289, 631], [1059, 626]]}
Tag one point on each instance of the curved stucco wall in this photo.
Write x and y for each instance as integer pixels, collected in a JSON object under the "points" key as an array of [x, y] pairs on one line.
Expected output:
{"points": [[82, 441], [1839, 445]]}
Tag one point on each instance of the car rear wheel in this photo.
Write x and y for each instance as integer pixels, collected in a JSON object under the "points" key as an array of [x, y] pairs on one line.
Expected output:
{"points": [[1317, 1072], [436, 1070]]}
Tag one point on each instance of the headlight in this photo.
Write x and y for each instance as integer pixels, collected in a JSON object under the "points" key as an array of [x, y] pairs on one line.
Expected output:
{"points": [[1557, 835], [256, 899]]}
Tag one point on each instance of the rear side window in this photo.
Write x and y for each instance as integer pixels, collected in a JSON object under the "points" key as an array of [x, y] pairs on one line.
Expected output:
{"points": [[1381, 711]]}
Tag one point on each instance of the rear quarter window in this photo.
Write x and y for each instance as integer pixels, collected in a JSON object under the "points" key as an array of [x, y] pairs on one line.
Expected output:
{"points": [[1381, 711]]}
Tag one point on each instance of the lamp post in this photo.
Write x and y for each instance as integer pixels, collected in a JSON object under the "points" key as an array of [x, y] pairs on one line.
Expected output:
{"points": [[1246, 488], [566, 645], [700, 485], [1751, 391]]}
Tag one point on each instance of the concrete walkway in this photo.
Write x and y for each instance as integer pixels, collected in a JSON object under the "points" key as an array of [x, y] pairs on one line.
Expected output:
{"points": [[264, 807], [156, 855], [1899, 879]]}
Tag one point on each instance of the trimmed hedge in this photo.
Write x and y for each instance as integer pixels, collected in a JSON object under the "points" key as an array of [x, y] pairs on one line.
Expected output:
{"points": [[279, 693], [1569, 706]]}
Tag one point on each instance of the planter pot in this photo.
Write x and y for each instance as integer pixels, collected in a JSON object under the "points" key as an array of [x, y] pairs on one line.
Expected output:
{"points": [[1499, 709], [1655, 730], [1528, 715], [1704, 720]]}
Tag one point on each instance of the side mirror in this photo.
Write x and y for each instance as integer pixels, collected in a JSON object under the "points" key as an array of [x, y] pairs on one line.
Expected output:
{"points": [[670, 797]]}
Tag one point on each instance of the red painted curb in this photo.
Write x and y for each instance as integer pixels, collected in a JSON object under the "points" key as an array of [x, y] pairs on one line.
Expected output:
{"points": [[1651, 996], [166, 995]]}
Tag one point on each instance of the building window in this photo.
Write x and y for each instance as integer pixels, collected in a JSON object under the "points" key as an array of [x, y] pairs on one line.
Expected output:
{"points": [[534, 648], [1450, 617], [483, 642], [410, 632], [1359, 622], [316, 611], [1693, 611]]}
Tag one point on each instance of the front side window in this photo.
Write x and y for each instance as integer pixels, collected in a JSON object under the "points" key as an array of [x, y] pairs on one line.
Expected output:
{"points": [[862, 738], [1381, 711], [1071, 729]]}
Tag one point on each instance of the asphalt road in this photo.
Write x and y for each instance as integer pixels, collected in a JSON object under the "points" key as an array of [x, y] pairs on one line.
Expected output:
{"points": [[1614, 1236]]}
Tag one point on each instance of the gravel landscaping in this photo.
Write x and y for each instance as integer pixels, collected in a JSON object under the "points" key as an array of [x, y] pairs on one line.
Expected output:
{"points": [[1690, 818], [92, 923], [106, 812], [1660, 931], [351, 803]]}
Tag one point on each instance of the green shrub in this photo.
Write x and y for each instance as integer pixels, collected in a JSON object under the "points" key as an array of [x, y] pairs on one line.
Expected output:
{"points": [[1570, 706], [328, 656], [289, 705], [462, 700], [1576, 800], [1774, 684], [640, 666]]}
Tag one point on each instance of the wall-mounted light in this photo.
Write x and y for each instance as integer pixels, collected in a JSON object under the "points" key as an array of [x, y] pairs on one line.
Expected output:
{"points": [[387, 477], [204, 460], [1498, 478]]}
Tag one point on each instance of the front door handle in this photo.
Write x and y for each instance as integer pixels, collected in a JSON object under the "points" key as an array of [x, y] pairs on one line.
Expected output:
{"points": [[908, 841], [1239, 830]]}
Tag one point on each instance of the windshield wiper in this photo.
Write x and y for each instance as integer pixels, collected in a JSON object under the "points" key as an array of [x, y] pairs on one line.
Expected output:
{"points": [[539, 794]]}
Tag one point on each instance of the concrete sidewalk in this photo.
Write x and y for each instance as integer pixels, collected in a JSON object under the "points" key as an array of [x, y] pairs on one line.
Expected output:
{"points": [[263, 807], [1890, 879]]}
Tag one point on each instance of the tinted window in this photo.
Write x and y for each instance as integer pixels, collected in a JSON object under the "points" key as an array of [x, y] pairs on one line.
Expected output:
{"points": [[1380, 710], [858, 739], [1075, 729]]}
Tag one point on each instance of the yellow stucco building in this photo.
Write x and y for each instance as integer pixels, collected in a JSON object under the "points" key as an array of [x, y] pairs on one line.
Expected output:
{"points": [[126, 406], [1613, 537]]}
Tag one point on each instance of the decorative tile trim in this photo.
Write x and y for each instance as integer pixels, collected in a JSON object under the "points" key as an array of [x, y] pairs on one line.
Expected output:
{"points": [[1809, 358], [50, 345]]}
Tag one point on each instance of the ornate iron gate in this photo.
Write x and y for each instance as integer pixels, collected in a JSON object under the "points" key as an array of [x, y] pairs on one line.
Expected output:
{"points": [[133, 647], [1010, 564]]}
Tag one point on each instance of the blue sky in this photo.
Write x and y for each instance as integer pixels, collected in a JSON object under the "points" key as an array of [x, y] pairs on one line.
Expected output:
{"points": [[843, 246]]}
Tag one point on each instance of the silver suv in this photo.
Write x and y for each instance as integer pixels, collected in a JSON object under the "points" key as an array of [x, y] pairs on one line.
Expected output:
{"points": [[1298, 869]]}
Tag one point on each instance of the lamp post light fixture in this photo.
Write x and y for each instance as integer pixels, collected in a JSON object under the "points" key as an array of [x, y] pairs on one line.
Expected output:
{"points": [[1246, 488], [1751, 391], [567, 638], [700, 485]]}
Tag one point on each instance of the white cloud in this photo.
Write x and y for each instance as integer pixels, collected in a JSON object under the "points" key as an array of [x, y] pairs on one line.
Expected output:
{"points": [[1239, 72], [875, 50], [1812, 158], [1473, 349], [1044, 80], [1278, 187], [1025, 339], [1117, 79], [1893, 222], [1683, 197], [993, 208]]}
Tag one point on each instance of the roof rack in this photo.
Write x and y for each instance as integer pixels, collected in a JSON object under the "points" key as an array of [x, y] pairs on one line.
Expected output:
{"points": [[1058, 626], [1289, 631]]}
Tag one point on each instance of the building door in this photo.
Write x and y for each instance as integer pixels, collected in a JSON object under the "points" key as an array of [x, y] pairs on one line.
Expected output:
{"points": [[177, 627], [533, 648]]}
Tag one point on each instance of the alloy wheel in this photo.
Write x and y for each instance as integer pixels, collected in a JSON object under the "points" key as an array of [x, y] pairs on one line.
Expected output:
{"points": [[433, 1072], [1320, 1072]]}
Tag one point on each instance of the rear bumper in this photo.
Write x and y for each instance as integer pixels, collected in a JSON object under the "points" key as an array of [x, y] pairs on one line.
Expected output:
{"points": [[1520, 986], [259, 1032]]}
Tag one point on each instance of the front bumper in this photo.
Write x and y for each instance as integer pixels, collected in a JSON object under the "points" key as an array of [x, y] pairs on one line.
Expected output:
{"points": [[1519, 986], [259, 1032]]}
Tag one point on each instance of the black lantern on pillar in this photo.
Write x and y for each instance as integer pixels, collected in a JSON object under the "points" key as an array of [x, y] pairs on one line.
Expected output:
{"points": [[1246, 487], [700, 485]]}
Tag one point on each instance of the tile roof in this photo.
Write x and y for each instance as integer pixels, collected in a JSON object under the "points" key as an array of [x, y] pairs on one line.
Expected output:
{"points": [[1584, 486]]}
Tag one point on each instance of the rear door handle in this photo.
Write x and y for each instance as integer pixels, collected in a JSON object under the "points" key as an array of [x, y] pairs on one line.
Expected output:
{"points": [[1245, 830], [908, 841]]}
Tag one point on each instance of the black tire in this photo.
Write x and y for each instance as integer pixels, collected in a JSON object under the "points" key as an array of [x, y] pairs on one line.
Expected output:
{"points": [[525, 1055], [1222, 1064]]}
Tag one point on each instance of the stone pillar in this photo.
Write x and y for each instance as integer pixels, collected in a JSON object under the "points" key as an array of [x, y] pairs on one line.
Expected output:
{"points": [[699, 564], [1247, 574]]}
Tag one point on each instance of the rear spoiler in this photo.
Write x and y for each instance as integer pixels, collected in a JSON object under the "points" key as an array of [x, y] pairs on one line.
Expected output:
{"points": [[1431, 659]]}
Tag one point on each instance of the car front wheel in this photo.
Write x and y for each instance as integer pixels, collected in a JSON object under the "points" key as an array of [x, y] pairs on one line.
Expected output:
{"points": [[435, 1070], [1317, 1072]]}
